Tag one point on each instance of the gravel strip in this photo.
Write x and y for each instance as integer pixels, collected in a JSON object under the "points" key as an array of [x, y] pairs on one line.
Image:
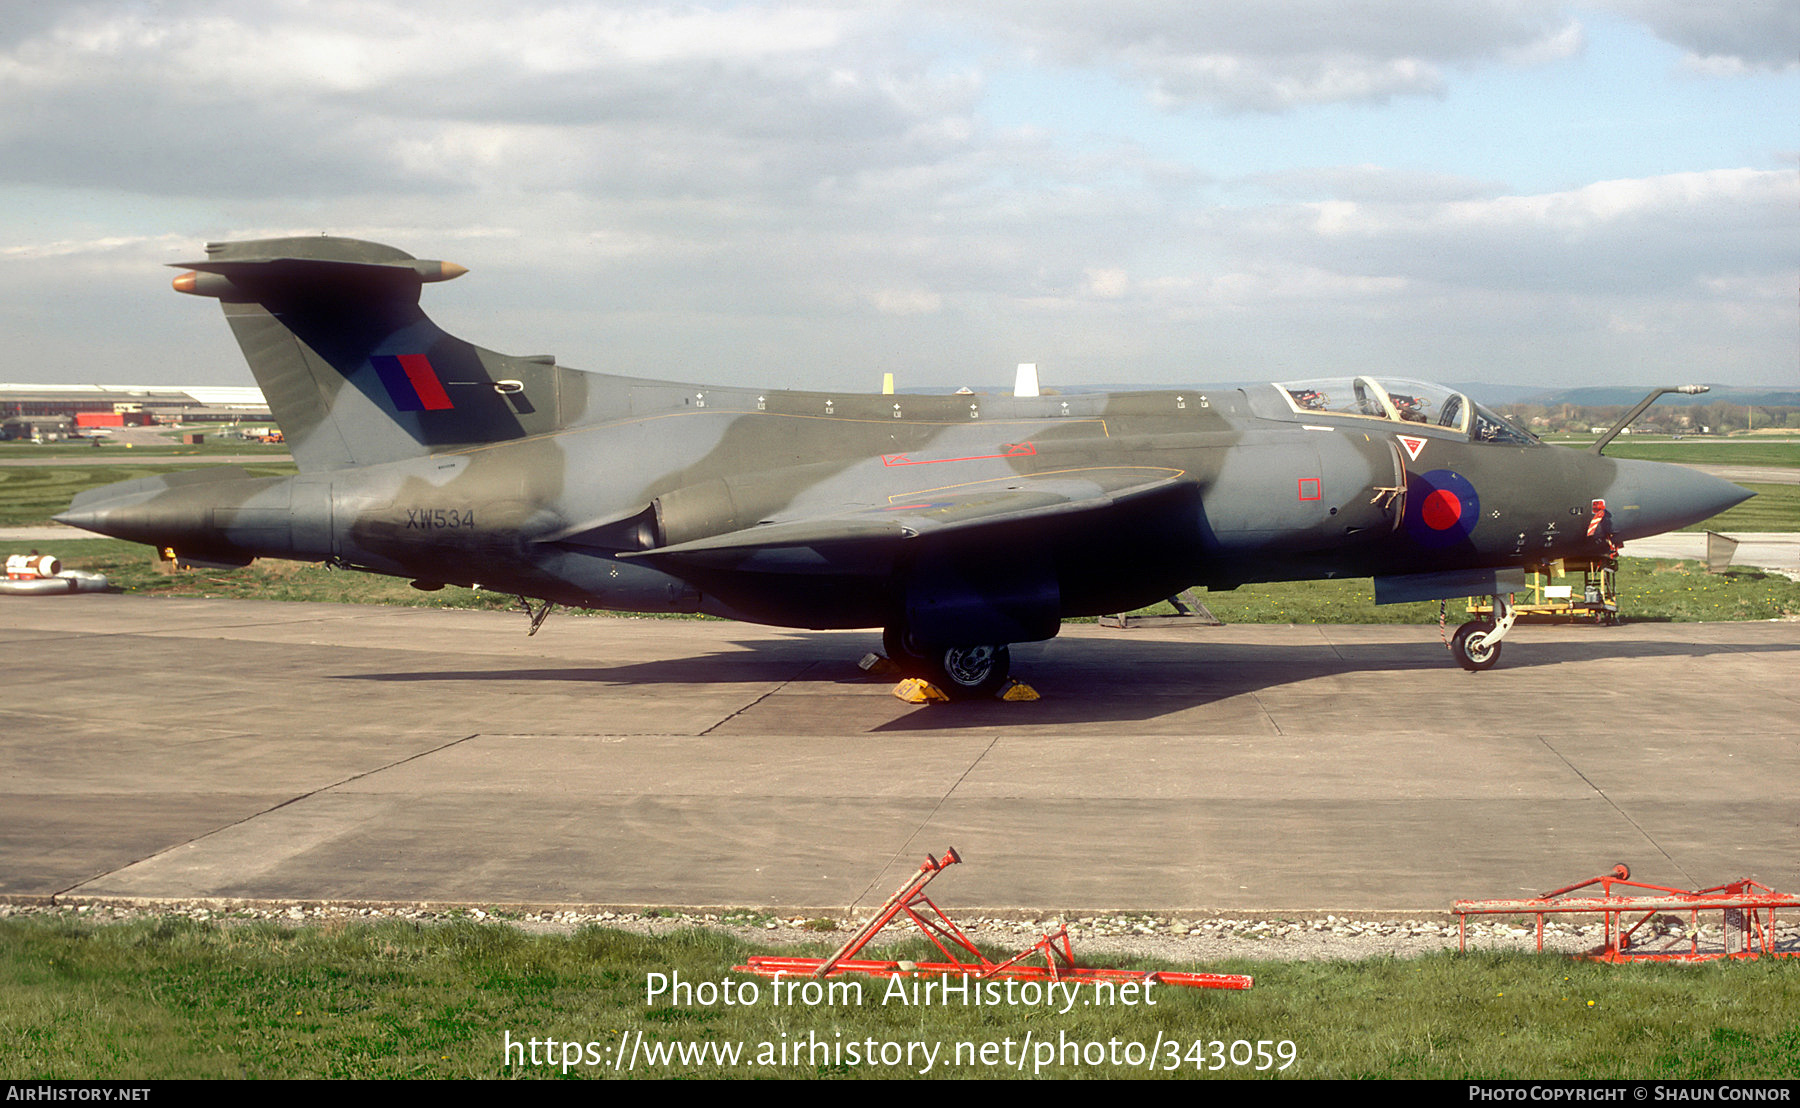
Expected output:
{"points": [[1095, 938]]}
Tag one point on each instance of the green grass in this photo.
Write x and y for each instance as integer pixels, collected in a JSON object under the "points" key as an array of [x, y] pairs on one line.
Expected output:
{"points": [[1690, 452], [172, 998], [1683, 592], [130, 567], [79, 453]]}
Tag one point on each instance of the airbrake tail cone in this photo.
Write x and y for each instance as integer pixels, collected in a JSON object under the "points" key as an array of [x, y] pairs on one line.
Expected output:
{"points": [[88, 519]]}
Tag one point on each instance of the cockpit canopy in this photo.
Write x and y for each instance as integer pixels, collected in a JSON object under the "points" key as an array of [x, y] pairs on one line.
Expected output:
{"points": [[1402, 401]]}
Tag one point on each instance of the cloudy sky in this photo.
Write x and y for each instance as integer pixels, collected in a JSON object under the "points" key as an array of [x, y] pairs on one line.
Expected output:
{"points": [[812, 194]]}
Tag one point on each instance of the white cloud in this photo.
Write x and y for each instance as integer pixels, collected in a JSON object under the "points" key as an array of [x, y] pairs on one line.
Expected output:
{"points": [[1374, 184], [1723, 39], [335, 98], [110, 246], [905, 301], [1739, 202], [1233, 55], [1108, 284], [652, 187]]}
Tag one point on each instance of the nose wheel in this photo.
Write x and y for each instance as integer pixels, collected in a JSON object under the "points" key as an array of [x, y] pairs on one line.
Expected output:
{"points": [[1476, 645], [1473, 647]]}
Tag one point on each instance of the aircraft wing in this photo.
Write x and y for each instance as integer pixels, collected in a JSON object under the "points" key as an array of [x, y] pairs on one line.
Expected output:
{"points": [[869, 530]]}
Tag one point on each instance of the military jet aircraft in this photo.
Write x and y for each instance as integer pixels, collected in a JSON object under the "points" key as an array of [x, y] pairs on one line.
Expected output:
{"points": [[958, 524]]}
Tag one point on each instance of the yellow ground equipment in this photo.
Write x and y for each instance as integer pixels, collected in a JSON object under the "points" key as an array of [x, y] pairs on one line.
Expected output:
{"points": [[1571, 591]]}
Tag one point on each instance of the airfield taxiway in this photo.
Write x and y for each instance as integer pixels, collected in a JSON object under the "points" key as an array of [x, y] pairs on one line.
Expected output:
{"points": [[172, 749]]}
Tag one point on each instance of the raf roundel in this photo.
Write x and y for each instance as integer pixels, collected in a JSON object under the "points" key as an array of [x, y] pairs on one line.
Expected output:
{"points": [[1443, 508]]}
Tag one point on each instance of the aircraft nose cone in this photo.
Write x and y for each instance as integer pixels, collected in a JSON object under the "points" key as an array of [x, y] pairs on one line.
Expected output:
{"points": [[1648, 498]]}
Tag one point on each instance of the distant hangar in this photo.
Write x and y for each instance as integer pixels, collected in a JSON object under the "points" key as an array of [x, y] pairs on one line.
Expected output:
{"points": [[57, 411]]}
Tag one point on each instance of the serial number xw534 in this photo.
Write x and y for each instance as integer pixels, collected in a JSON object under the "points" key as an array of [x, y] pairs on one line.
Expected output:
{"points": [[439, 519]]}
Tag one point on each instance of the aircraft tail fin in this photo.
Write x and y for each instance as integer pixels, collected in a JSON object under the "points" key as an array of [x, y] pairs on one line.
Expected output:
{"points": [[353, 370]]}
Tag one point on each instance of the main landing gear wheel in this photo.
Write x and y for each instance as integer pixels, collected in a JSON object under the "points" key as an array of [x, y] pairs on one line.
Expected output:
{"points": [[901, 651], [959, 672], [1472, 647], [969, 672]]}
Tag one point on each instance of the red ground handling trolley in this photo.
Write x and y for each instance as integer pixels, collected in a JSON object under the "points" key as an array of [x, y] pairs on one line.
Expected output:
{"points": [[1051, 958], [1747, 918]]}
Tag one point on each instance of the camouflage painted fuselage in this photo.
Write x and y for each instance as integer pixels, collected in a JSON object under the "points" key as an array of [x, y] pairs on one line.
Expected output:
{"points": [[965, 518]]}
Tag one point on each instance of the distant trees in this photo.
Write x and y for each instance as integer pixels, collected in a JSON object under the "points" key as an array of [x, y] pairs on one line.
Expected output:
{"points": [[1718, 417]]}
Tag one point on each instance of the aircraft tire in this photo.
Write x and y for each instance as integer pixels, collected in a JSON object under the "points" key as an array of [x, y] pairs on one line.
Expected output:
{"points": [[900, 650], [969, 672], [1474, 658]]}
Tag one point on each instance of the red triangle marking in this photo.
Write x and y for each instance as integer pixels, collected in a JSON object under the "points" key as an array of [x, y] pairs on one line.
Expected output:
{"points": [[1412, 444]]}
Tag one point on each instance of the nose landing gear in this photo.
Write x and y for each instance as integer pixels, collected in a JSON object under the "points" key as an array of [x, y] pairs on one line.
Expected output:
{"points": [[1476, 645]]}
